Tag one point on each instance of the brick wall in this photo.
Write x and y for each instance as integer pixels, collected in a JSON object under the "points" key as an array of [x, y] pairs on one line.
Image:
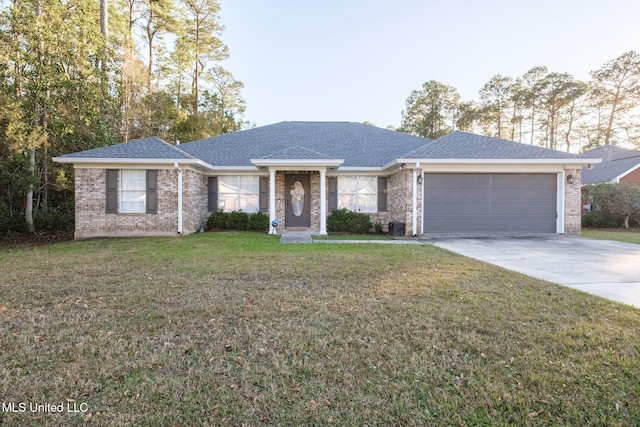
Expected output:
{"points": [[93, 221], [632, 178], [400, 202], [573, 203]]}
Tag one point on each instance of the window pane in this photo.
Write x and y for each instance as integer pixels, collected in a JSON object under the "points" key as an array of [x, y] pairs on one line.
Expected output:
{"points": [[133, 191], [237, 193], [347, 185], [358, 193]]}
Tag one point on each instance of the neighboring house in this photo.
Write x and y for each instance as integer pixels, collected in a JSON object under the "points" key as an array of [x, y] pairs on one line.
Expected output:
{"points": [[618, 165], [298, 172]]}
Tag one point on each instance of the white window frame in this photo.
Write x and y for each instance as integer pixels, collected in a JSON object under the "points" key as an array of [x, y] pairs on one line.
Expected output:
{"points": [[357, 201], [132, 189], [230, 188]]}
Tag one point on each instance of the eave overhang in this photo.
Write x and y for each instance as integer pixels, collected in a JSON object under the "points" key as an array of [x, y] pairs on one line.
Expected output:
{"points": [[88, 161]]}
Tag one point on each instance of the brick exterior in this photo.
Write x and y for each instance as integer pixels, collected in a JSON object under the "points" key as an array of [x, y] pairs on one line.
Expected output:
{"points": [[93, 221], [573, 203], [632, 178], [400, 201]]}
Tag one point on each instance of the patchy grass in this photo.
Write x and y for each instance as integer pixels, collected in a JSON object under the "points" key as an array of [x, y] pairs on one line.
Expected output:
{"points": [[621, 235], [234, 328]]}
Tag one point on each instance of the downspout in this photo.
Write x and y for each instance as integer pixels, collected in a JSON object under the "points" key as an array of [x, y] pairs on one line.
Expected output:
{"points": [[177, 167], [414, 213]]}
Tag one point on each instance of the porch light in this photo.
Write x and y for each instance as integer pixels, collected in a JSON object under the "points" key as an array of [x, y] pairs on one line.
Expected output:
{"points": [[402, 166], [569, 179], [419, 179]]}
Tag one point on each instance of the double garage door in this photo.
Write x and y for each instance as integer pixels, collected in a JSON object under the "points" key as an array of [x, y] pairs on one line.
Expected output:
{"points": [[490, 203]]}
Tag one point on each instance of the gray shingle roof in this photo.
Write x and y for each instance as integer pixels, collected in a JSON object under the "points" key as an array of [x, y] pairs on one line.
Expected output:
{"points": [[360, 145], [615, 162], [463, 145], [147, 148]]}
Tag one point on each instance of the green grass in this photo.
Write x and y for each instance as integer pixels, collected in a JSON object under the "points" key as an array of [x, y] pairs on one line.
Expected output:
{"points": [[235, 328], [339, 236], [617, 235]]}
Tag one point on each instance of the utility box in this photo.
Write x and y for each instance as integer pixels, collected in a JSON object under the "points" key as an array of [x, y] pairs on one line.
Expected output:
{"points": [[396, 229]]}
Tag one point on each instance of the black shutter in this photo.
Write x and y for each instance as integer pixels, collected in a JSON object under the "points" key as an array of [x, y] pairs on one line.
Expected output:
{"points": [[213, 193], [263, 198], [152, 191], [382, 193], [333, 193], [112, 191]]}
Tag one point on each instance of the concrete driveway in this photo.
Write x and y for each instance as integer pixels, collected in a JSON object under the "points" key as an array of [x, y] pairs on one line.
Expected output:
{"points": [[600, 267]]}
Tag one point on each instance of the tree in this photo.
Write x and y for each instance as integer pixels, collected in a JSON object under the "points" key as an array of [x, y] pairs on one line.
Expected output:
{"points": [[557, 94], [530, 92], [621, 199], [202, 29], [615, 90], [495, 99], [430, 110]]}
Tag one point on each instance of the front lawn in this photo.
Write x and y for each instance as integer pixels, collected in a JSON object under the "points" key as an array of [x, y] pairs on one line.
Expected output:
{"points": [[235, 328], [620, 235]]}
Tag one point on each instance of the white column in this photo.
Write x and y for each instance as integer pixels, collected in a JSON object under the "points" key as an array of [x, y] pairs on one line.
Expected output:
{"points": [[414, 207], [323, 201], [272, 199]]}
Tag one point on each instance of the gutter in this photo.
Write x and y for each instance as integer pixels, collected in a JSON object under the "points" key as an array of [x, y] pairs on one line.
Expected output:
{"points": [[177, 167]]}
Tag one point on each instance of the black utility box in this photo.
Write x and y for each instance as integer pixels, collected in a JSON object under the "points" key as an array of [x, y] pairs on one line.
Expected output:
{"points": [[396, 229]]}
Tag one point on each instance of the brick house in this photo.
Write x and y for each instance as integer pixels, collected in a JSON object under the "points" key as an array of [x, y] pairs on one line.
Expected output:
{"points": [[618, 165], [298, 172]]}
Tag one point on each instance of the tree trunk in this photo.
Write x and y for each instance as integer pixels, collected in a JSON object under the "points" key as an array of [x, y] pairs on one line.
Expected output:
{"points": [[28, 210]]}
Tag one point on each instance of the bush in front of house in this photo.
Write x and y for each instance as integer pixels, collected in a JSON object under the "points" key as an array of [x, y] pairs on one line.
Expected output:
{"points": [[344, 221], [237, 220], [600, 219]]}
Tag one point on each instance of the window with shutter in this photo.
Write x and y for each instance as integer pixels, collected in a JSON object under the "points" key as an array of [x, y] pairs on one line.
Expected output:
{"points": [[112, 191], [382, 194], [264, 194], [333, 193], [152, 191], [213, 193]]}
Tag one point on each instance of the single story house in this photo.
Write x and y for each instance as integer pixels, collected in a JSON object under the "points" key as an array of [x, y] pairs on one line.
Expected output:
{"points": [[298, 172], [618, 165]]}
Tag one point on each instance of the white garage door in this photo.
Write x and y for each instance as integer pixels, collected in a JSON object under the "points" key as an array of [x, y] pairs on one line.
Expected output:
{"points": [[490, 203]]}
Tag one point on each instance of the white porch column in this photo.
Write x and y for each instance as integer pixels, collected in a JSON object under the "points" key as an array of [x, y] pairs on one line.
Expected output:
{"points": [[414, 206], [323, 201], [272, 199]]}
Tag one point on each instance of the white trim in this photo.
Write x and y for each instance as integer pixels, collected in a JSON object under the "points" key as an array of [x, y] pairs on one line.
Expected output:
{"points": [[414, 201], [296, 163], [129, 161], [566, 163], [560, 201], [272, 200]]}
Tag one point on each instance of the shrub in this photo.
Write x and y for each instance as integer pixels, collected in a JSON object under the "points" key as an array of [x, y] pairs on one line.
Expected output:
{"points": [[600, 219], [219, 219], [237, 220], [344, 221], [259, 221]]}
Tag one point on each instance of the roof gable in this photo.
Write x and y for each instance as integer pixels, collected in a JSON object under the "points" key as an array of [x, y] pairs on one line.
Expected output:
{"points": [[616, 163], [358, 144]]}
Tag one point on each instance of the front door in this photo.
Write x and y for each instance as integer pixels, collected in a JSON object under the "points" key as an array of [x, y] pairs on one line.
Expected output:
{"points": [[297, 193]]}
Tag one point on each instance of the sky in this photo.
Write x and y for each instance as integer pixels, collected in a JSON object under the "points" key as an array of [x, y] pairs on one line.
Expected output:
{"points": [[359, 60]]}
